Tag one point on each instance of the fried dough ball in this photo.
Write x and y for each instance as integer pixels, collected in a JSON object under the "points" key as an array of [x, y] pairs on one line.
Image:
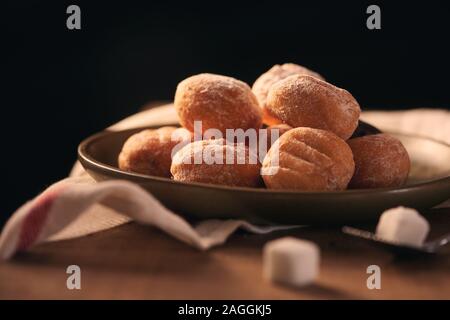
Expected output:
{"points": [[305, 101], [217, 162], [380, 161], [149, 151], [266, 80], [219, 102], [308, 159]]}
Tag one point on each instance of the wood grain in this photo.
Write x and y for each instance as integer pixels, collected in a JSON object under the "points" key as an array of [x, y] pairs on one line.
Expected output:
{"points": [[139, 262]]}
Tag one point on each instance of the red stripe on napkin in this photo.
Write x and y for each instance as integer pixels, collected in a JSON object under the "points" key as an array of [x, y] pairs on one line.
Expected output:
{"points": [[35, 219]]}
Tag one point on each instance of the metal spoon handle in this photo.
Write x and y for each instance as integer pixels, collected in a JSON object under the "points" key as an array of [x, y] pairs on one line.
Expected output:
{"points": [[439, 242]]}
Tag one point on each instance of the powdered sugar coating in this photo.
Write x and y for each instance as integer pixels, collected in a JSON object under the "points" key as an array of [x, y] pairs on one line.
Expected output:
{"points": [[309, 159], [220, 102], [278, 72], [381, 161], [149, 151], [305, 101], [197, 162]]}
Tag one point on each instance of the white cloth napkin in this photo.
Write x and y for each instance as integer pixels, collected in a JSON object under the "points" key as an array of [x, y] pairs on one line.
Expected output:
{"points": [[78, 206]]}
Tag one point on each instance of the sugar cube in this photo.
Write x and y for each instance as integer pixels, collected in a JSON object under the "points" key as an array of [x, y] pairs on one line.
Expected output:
{"points": [[403, 225], [291, 261]]}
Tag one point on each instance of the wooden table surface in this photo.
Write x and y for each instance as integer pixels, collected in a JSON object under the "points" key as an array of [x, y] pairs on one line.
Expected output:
{"points": [[140, 262]]}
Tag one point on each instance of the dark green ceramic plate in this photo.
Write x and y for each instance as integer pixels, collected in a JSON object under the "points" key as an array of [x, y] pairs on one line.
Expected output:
{"points": [[428, 185]]}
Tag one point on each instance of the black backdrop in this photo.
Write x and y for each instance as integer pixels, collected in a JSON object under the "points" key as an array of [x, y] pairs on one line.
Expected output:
{"points": [[60, 85]]}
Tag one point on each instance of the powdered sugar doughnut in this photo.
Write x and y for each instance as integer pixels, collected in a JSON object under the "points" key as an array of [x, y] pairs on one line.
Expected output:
{"points": [[381, 161], [308, 159], [217, 162], [219, 102], [305, 101], [149, 151], [266, 80]]}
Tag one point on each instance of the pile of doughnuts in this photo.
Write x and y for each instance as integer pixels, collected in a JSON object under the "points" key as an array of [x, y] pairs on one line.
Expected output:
{"points": [[311, 127]]}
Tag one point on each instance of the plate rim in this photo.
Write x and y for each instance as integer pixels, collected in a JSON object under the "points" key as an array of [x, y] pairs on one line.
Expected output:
{"points": [[85, 158]]}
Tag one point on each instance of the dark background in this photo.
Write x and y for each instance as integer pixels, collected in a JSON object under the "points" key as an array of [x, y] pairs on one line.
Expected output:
{"points": [[61, 86]]}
